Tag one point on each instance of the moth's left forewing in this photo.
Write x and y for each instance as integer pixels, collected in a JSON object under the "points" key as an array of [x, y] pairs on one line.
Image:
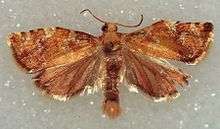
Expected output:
{"points": [[48, 47], [63, 60]]}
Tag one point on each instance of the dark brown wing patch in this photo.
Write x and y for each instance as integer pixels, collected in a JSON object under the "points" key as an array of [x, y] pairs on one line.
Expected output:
{"points": [[187, 42]]}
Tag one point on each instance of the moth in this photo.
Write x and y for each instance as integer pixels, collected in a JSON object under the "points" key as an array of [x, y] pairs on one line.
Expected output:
{"points": [[66, 62]]}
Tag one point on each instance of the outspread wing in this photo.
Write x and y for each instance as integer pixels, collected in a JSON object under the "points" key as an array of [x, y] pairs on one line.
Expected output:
{"points": [[186, 42], [65, 81], [62, 59], [155, 77]]}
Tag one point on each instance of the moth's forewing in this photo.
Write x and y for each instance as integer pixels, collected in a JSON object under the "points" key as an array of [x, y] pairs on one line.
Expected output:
{"points": [[186, 42], [42, 48], [63, 59]]}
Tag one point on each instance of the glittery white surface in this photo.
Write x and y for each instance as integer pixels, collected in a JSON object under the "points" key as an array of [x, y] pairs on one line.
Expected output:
{"points": [[23, 107]]}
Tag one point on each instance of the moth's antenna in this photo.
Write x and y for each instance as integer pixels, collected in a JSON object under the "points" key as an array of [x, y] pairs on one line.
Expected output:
{"points": [[97, 18], [142, 18], [87, 10]]}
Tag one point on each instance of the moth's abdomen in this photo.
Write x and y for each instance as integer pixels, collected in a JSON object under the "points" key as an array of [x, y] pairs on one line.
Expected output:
{"points": [[113, 69]]}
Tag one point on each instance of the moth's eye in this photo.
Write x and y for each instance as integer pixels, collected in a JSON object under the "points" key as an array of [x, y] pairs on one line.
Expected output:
{"points": [[104, 28]]}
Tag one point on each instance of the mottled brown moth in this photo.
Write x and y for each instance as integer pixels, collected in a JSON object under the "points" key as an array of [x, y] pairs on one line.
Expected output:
{"points": [[66, 62]]}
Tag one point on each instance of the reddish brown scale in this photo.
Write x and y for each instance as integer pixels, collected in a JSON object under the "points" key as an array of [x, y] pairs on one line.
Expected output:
{"points": [[111, 104], [113, 62], [65, 62]]}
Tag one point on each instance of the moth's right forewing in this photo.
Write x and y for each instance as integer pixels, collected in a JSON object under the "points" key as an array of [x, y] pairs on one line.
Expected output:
{"points": [[186, 42]]}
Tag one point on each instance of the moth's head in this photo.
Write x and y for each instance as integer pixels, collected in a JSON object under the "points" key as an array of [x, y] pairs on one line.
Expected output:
{"points": [[109, 27]]}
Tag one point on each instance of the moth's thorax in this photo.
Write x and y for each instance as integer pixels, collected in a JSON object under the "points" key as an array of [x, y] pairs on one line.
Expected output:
{"points": [[111, 47], [110, 33], [111, 39]]}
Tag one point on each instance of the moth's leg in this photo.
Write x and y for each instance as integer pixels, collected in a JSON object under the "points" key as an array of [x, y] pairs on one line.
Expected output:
{"points": [[111, 105]]}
